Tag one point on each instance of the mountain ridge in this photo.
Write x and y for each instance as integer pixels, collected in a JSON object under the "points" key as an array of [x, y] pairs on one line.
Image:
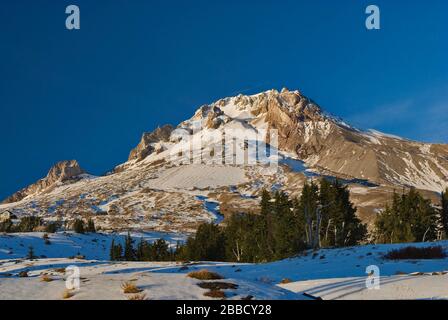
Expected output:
{"points": [[161, 165]]}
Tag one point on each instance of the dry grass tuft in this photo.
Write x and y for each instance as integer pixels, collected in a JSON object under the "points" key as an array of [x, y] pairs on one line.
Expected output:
{"points": [[285, 281], [141, 296], [46, 278], [129, 287], [215, 294], [217, 285], [23, 274], [67, 294], [205, 275]]}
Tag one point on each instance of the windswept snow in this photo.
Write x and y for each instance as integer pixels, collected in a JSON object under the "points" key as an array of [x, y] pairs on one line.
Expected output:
{"points": [[93, 246], [199, 176], [327, 273]]}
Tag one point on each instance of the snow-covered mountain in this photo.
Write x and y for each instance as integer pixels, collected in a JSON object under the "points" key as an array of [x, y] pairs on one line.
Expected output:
{"points": [[218, 161]]}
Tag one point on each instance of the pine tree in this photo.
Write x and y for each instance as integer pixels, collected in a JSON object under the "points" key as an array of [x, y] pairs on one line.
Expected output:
{"points": [[265, 227], [288, 241], [30, 254], [160, 250], [349, 230], [112, 251], [129, 253], [140, 252], [118, 252], [409, 218], [78, 226], [444, 212], [7, 226], [29, 223], [90, 226], [306, 212], [208, 244], [243, 238]]}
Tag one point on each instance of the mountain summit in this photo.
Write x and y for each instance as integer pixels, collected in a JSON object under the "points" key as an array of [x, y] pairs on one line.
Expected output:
{"points": [[58, 174]]}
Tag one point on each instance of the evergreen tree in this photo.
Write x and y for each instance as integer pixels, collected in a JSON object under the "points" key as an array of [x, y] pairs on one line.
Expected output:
{"points": [[141, 252], [78, 226], [7, 226], [29, 223], [129, 253], [341, 225], [160, 250], [207, 244], [118, 252], [91, 226], [288, 239], [306, 210], [265, 226], [243, 238], [328, 217], [30, 254], [112, 251], [444, 212], [51, 227], [409, 218]]}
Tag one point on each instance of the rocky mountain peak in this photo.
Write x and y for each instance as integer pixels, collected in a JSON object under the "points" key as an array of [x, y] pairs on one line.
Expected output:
{"points": [[60, 172], [63, 171]]}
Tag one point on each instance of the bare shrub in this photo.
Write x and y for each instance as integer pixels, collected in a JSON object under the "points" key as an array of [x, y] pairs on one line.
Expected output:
{"points": [[217, 285], [204, 274], [129, 287], [285, 281], [67, 294], [215, 294], [46, 278], [414, 253], [140, 296]]}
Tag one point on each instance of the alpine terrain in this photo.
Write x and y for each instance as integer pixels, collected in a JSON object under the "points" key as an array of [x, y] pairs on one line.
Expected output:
{"points": [[217, 163]]}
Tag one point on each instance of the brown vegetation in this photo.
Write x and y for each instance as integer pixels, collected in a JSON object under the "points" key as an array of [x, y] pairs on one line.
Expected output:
{"points": [[414, 253], [204, 274]]}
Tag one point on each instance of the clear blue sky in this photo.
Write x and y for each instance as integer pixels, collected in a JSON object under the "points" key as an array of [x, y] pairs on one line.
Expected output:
{"points": [[134, 65]]}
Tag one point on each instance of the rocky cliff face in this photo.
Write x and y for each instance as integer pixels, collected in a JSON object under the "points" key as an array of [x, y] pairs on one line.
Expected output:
{"points": [[149, 143], [59, 173]]}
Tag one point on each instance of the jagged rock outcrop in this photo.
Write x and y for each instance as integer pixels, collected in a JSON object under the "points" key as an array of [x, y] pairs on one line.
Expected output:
{"points": [[148, 143], [60, 172], [4, 216]]}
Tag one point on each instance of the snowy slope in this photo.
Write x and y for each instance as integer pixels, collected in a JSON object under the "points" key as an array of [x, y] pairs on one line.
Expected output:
{"points": [[94, 246], [328, 273]]}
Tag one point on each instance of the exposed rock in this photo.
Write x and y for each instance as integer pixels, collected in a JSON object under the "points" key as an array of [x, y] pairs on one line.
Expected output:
{"points": [[146, 145], [60, 172], [5, 216]]}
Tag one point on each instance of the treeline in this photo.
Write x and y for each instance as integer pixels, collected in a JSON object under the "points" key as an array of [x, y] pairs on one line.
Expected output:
{"points": [[143, 251], [322, 216], [412, 218], [35, 223]]}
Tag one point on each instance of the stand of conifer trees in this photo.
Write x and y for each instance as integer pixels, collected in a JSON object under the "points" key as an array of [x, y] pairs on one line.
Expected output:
{"points": [[144, 251], [323, 216], [410, 218], [285, 227]]}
